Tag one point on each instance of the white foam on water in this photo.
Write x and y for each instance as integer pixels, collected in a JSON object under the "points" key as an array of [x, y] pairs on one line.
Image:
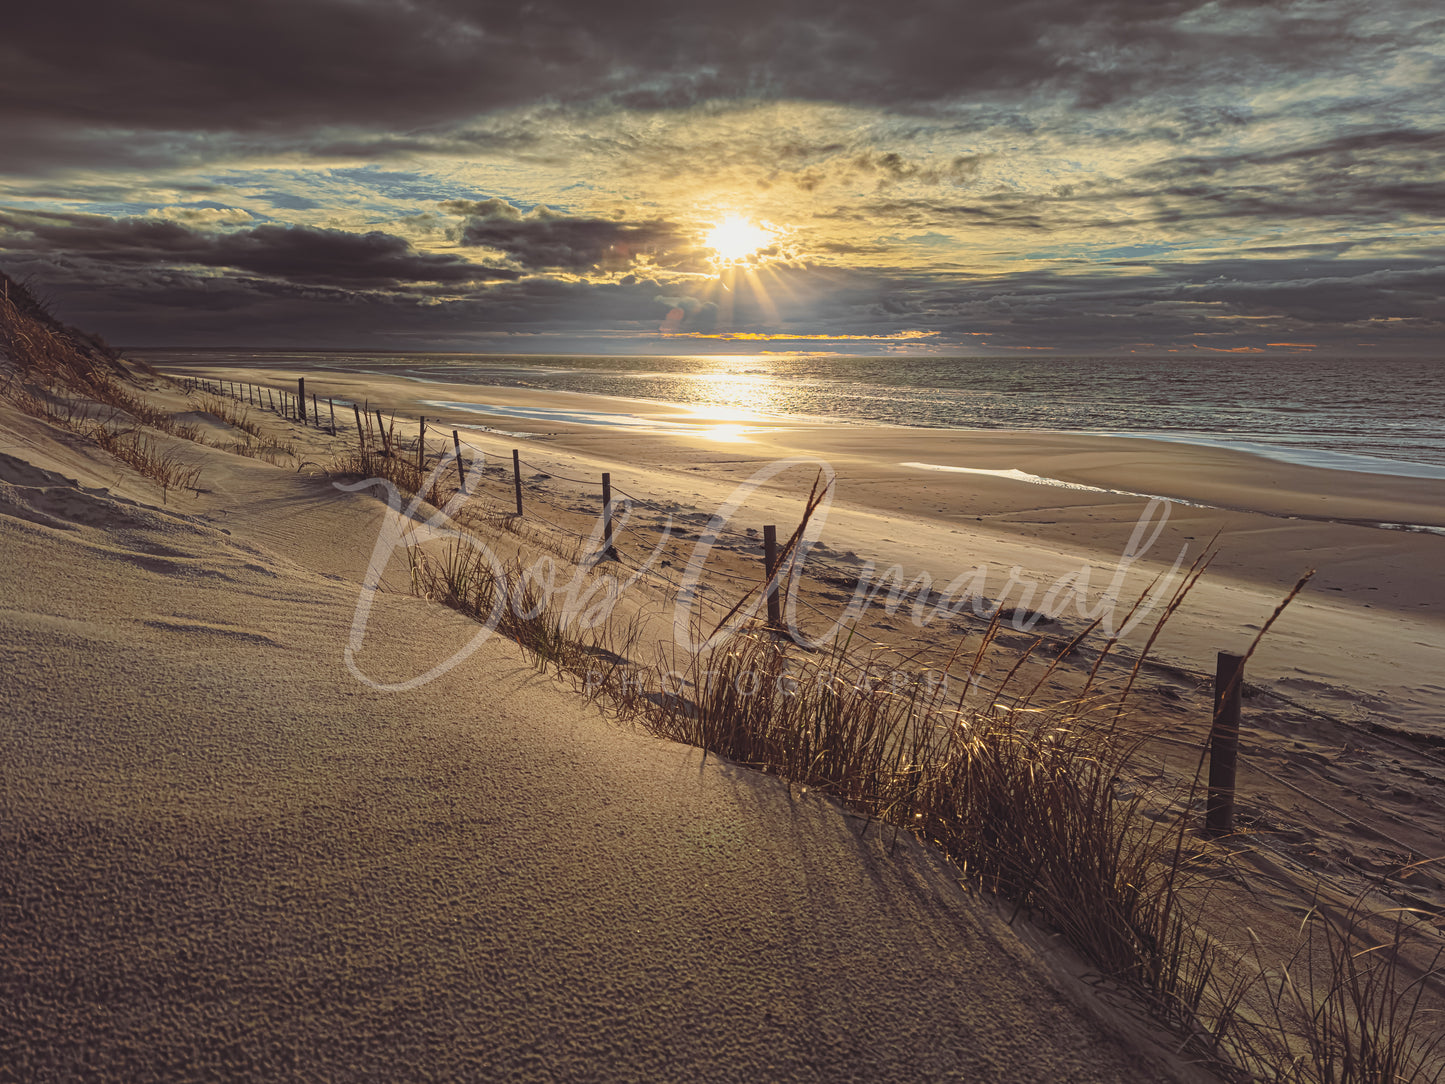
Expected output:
{"points": [[1057, 483], [1417, 528]]}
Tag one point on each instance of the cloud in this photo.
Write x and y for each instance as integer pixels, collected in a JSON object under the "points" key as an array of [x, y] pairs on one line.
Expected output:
{"points": [[687, 314], [543, 238], [1247, 301], [297, 253], [289, 65], [203, 216]]}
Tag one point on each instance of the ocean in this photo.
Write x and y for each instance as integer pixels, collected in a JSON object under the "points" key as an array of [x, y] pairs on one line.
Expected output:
{"points": [[1385, 415]]}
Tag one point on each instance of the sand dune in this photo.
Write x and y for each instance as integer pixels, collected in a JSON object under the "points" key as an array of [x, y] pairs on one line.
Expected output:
{"points": [[225, 858]]}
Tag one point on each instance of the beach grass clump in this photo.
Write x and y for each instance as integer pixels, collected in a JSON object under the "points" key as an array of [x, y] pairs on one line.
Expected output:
{"points": [[237, 418], [65, 411], [504, 595], [1026, 803], [143, 452], [371, 462], [279, 453], [1354, 1003]]}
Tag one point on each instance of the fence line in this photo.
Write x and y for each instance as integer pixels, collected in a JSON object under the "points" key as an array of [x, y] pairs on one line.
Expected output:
{"points": [[1118, 658]]}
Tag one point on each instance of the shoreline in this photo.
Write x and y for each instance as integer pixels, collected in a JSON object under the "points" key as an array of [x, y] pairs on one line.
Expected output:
{"points": [[1304, 454], [1384, 589]]}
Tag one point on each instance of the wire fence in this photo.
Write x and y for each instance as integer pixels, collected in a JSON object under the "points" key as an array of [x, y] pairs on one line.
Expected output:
{"points": [[553, 499]]}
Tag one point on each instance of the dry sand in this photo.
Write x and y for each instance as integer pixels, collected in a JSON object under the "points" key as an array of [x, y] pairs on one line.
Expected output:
{"points": [[226, 858]]}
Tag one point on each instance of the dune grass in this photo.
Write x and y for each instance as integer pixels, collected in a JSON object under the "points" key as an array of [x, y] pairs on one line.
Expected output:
{"points": [[149, 457], [400, 470], [231, 415], [75, 381]]}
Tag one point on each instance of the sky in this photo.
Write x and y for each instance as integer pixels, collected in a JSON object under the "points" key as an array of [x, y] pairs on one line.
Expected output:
{"points": [[1137, 176]]}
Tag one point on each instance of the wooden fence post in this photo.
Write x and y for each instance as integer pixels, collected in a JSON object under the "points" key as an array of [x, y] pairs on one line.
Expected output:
{"points": [[1224, 744], [517, 477], [385, 442], [315, 411], [461, 474], [332, 404], [301, 399], [421, 446], [770, 569], [360, 433], [606, 514]]}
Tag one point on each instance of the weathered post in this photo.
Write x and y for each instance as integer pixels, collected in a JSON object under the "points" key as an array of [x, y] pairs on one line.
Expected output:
{"points": [[421, 446], [380, 424], [332, 404], [1224, 744], [770, 569], [517, 477], [461, 474], [606, 514], [360, 433], [301, 399], [315, 411]]}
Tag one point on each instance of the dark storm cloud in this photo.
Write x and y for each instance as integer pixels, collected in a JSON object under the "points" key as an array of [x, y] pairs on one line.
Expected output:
{"points": [[181, 308], [273, 66], [541, 238], [298, 253]]}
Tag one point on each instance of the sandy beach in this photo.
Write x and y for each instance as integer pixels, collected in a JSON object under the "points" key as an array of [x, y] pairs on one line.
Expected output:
{"points": [[285, 870], [226, 857], [571, 542]]}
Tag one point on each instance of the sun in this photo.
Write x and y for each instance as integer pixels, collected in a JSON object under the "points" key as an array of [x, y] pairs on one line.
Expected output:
{"points": [[737, 238]]}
